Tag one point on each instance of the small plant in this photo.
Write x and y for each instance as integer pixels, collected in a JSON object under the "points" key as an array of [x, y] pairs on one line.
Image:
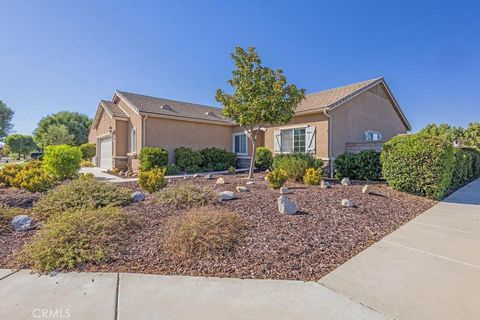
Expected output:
{"points": [[85, 192], [86, 176], [186, 195], [276, 178], [204, 230], [232, 170], [116, 171], [62, 161], [152, 158], [73, 238], [9, 172], [172, 170], [86, 164], [33, 180], [88, 151], [263, 159], [152, 181], [313, 176]]}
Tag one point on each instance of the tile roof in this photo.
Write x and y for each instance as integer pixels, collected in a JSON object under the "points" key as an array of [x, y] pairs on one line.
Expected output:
{"points": [[331, 97], [147, 104], [114, 109]]}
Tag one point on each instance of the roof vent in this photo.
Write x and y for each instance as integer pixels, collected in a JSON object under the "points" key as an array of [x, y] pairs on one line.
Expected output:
{"points": [[166, 107], [210, 113]]}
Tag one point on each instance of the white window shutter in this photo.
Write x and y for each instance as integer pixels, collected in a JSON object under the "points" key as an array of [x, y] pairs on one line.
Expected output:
{"points": [[310, 139], [277, 141]]}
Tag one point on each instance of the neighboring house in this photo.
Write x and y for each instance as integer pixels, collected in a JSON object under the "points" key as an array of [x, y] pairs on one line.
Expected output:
{"points": [[354, 117]]}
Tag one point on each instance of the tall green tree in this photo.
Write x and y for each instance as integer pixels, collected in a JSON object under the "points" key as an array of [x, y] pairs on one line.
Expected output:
{"points": [[261, 96], [77, 124], [443, 130], [20, 144], [6, 115], [57, 134], [472, 135]]}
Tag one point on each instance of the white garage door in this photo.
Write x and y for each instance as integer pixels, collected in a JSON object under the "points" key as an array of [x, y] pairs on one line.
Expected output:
{"points": [[106, 153]]}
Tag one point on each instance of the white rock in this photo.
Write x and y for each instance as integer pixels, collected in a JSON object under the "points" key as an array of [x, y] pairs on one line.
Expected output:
{"points": [[208, 176], [220, 181], [242, 189], [185, 177], [196, 175], [22, 223], [346, 182], [138, 196], [366, 189], [226, 195], [347, 203], [169, 181], [286, 206], [249, 183], [285, 190], [325, 184]]}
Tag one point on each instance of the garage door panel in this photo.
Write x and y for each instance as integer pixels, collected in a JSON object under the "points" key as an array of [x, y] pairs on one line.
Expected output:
{"points": [[106, 153]]}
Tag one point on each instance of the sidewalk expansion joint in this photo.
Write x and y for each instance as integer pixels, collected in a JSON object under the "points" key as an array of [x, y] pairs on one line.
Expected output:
{"points": [[117, 289], [446, 228], [8, 275]]}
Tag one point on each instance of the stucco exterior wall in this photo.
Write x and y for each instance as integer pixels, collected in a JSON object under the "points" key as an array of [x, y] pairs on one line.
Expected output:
{"points": [[121, 138], [135, 121], [370, 110], [103, 127], [171, 134], [319, 121]]}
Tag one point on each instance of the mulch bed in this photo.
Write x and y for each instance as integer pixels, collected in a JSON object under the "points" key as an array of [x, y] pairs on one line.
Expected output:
{"points": [[301, 247]]}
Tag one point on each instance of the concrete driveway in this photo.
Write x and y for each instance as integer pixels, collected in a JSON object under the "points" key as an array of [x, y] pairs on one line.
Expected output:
{"points": [[427, 269]]}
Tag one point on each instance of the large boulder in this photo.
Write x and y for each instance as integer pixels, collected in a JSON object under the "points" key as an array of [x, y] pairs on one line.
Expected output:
{"points": [[325, 184], [286, 206], [226, 195], [22, 223], [346, 182], [138, 196]]}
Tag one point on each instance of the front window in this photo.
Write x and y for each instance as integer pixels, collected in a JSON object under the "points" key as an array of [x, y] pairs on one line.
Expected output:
{"points": [[293, 141], [240, 144], [133, 140], [373, 135]]}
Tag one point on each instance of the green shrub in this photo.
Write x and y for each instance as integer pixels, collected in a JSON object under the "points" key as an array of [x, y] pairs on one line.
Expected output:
{"points": [[186, 195], [153, 180], [9, 172], [188, 160], [216, 159], [346, 165], [152, 158], [74, 238], [32, 164], [475, 153], [369, 167], [62, 161], [232, 170], [88, 151], [296, 164], [313, 176], [263, 158], [203, 231], [33, 180], [86, 164], [418, 164], [85, 192], [276, 178], [172, 170]]}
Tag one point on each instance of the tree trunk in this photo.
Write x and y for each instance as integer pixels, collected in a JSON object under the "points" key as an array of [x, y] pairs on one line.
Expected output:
{"points": [[254, 152]]}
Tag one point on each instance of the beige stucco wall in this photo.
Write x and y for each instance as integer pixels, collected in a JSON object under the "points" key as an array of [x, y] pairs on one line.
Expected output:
{"points": [[103, 127], [318, 120], [171, 134], [370, 110], [121, 138]]}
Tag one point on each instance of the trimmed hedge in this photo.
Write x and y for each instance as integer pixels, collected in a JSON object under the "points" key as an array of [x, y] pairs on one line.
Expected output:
{"points": [[216, 159], [418, 164], [152, 158], [295, 165], [263, 158], [62, 161], [188, 160], [359, 166]]}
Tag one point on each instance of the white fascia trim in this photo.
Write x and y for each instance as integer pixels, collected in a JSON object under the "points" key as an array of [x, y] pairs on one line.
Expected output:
{"points": [[121, 96], [180, 118]]}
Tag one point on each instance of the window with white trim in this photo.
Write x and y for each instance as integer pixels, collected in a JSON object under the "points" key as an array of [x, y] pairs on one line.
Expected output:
{"points": [[240, 143], [293, 140], [133, 140], [371, 135]]}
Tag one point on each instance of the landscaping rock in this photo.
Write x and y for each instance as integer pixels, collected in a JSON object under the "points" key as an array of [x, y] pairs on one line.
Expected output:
{"points": [[286, 206], [226, 195], [208, 176], [138, 196], [123, 173], [249, 183], [347, 203], [242, 189], [366, 189], [22, 223], [325, 184], [285, 190], [346, 182], [220, 181], [185, 177], [196, 175]]}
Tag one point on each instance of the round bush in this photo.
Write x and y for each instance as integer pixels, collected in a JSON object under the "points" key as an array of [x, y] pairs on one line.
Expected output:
{"points": [[9, 172], [152, 158], [263, 158], [346, 165], [153, 180], [188, 160], [62, 161], [186, 195], [216, 159], [313, 176], [295, 165], [88, 151], [418, 164], [276, 178], [33, 180]]}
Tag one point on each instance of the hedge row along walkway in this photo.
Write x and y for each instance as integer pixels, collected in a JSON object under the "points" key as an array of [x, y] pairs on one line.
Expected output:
{"points": [[427, 269]]}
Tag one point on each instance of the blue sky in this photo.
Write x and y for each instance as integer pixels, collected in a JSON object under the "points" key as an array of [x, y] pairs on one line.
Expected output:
{"points": [[67, 55]]}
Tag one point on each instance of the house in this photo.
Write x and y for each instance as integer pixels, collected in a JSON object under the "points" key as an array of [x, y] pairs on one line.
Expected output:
{"points": [[354, 117]]}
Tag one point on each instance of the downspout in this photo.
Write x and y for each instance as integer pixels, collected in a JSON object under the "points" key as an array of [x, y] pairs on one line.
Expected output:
{"points": [[144, 135], [330, 160]]}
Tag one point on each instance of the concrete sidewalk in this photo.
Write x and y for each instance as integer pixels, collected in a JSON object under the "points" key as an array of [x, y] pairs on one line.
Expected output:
{"points": [[427, 269]]}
